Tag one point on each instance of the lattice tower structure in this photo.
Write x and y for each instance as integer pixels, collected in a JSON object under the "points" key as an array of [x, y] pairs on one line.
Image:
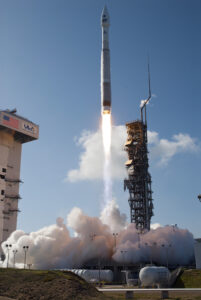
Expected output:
{"points": [[139, 179]]}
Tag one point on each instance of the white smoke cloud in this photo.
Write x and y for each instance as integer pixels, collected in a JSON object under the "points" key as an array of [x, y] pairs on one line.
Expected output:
{"points": [[112, 216], [53, 247], [157, 245], [166, 149], [155, 226], [91, 158]]}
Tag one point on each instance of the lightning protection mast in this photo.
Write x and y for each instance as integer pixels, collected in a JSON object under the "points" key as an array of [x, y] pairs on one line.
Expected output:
{"points": [[139, 179]]}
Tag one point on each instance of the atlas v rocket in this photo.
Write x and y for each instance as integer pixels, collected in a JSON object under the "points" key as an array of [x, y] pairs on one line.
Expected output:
{"points": [[105, 64]]}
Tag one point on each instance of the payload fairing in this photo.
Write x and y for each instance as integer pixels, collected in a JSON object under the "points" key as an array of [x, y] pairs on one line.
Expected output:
{"points": [[105, 64]]}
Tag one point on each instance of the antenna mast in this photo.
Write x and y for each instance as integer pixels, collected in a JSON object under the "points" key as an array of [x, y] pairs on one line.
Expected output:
{"points": [[148, 99]]}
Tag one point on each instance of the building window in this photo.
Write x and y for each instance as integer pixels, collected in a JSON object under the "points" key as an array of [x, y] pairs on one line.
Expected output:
{"points": [[2, 176], [4, 170], [2, 192]]}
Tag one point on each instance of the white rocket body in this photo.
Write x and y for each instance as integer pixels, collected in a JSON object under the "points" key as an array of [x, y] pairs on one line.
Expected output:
{"points": [[105, 64]]}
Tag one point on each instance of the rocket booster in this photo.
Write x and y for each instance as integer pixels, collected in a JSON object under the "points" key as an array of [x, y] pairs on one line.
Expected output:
{"points": [[105, 64]]}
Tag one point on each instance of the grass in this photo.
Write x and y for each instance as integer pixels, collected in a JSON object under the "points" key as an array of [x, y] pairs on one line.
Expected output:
{"points": [[189, 279]]}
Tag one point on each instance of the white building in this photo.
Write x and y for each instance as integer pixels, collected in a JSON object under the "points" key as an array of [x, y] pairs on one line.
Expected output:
{"points": [[197, 249], [14, 131]]}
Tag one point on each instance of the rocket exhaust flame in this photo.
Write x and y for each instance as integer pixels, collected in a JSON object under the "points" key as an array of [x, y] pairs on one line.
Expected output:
{"points": [[106, 133], [106, 136]]}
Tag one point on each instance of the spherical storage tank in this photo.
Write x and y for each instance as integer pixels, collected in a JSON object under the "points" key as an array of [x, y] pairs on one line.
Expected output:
{"points": [[154, 276]]}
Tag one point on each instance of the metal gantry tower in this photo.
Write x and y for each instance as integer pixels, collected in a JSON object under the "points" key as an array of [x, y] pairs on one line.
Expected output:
{"points": [[139, 179]]}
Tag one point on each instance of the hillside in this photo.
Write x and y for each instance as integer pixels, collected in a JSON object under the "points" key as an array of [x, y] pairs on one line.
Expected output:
{"points": [[42, 285], [189, 279]]}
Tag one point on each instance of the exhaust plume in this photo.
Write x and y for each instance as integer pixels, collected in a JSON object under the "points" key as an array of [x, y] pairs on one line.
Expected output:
{"points": [[106, 136], [53, 246]]}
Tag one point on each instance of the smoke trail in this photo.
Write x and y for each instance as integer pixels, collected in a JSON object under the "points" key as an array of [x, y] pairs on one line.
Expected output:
{"points": [[106, 136]]}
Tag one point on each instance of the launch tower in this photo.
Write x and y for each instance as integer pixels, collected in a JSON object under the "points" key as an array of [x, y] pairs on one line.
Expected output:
{"points": [[14, 131], [139, 179]]}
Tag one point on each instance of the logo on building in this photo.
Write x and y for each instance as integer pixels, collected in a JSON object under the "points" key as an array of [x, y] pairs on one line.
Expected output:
{"points": [[28, 127]]}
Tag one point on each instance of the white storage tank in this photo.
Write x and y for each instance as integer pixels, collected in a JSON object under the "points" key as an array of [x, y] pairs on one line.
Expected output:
{"points": [[94, 275], [154, 276]]}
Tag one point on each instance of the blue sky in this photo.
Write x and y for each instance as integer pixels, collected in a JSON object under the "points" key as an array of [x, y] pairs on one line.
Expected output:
{"points": [[50, 71]]}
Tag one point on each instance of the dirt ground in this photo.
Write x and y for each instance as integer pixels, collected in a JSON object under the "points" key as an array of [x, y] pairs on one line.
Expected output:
{"points": [[5, 298], [45, 285]]}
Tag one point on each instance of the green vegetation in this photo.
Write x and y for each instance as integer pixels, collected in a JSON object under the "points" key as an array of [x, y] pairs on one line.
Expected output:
{"points": [[189, 279]]}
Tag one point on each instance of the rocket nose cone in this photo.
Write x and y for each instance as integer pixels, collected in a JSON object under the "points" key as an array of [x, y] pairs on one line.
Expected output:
{"points": [[105, 18], [105, 11]]}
